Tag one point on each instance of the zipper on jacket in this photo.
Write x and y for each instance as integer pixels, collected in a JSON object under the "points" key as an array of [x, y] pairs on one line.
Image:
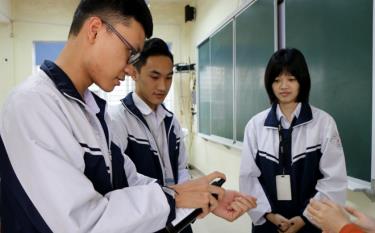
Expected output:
{"points": [[153, 138]]}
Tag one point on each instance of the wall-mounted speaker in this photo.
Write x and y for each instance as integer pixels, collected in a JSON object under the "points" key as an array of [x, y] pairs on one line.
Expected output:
{"points": [[189, 13]]}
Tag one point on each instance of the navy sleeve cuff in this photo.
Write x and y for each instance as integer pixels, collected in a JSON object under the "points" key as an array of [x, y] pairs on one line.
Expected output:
{"points": [[172, 205]]}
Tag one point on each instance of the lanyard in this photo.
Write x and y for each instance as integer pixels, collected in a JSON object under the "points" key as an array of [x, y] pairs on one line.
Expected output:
{"points": [[284, 140]]}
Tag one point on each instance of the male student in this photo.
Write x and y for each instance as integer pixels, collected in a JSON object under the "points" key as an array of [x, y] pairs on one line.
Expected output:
{"points": [[60, 170], [144, 129]]}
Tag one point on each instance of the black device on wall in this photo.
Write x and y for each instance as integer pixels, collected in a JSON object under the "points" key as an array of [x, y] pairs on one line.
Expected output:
{"points": [[189, 13]]}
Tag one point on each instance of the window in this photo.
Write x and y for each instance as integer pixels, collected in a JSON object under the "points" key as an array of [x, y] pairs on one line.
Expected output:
{"points": [[121, 91], [46, 50], [128, 85], [49, 50]]}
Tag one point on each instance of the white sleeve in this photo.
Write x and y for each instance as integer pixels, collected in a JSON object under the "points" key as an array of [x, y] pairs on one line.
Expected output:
{"points": [[118, 126], [249, 173], [333, 185], [48, 162], [183, 171]]}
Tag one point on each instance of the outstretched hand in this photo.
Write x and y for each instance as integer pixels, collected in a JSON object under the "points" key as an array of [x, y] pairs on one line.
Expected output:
{"points": [[233, 205], [329, 216], [197, 193], [202, 184], [365, 222]]}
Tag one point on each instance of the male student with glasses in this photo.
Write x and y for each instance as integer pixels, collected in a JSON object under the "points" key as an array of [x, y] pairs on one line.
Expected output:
{"points": [[60, 170]]}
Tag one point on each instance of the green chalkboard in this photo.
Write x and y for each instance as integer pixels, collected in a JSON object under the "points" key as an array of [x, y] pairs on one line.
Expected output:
{"points": [[231, 90], [204, 87], [336, 39], [254, 46], [222, 82]]}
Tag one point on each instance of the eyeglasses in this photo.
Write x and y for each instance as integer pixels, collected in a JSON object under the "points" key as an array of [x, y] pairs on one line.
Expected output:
{"points": [[134, 54]]}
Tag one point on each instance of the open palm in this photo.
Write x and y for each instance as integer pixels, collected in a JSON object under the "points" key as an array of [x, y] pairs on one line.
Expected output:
{"points": [[233, 205]]}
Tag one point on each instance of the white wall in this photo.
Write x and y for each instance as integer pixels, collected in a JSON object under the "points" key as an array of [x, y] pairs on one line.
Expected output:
{"points": [[7, 80], [6, 50], [205, 155], [168, 20], [33, 24], [31, 20], [209, 15], [169, 25]]}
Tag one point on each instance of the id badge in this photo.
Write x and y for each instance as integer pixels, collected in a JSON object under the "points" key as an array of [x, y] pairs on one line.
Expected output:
{"points": [[284, 191]]}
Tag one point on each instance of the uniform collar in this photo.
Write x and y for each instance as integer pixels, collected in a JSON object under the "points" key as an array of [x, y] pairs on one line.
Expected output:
{"points": [[303, 115], [280, 114], [60, 79], [63, 83], [160, 111]]}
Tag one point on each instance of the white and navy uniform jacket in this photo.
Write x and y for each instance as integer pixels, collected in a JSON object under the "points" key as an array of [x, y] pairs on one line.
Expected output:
{"points": [[60, 170], [136, 139], [314, 160]]}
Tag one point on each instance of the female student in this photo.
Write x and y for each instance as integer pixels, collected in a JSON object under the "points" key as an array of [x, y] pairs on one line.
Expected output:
{"points": [[292, 151]]}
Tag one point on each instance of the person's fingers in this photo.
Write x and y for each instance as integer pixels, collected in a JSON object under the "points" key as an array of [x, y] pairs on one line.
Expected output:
{"points": [[316, 204], [330, 204], [282, 218], [218, 192], [320, 206], [283, 226], [312, 212], [292, 226], [247, 201], [213, 203], [207, 202], [252, 201], [237, 207], [240, 204], [309, 209], [205, 212], [354, 212], [210, 177], [286, 224]]}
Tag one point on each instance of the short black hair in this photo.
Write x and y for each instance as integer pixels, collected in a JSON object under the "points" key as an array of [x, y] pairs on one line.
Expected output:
{"points": [[153, 47], [292, 61], [111, 9]]}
